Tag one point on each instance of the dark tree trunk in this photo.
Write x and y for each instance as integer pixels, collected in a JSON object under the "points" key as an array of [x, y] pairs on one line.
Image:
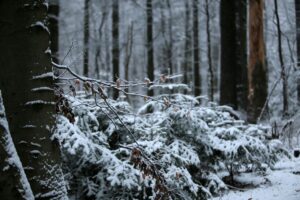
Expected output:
{"points": [[209, 57], [283, 73], [115, 44], [26, 81], [197, 76], [86, 38], [99, 63], [53, 13], [170, 45], [241, 54], [297, 10], [228, 94], [187, 67], [234, 53], [257, 70], [149, 44]]}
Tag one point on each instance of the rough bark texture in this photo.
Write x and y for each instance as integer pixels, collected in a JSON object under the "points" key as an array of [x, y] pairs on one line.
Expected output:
{"points": [[282, 66], [115, 44], [209, 57], [53, 13], [297, 10], [29, 105], [241, 53], [86, 21], [228, 95], [257, 71], [149, 44], [197, 76]]}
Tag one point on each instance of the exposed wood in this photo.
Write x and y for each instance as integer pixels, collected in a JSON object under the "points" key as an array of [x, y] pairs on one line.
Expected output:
{"points": [[257, 70]]}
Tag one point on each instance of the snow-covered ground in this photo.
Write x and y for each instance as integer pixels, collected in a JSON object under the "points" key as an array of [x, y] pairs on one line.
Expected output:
{"points": [[284, 185]]}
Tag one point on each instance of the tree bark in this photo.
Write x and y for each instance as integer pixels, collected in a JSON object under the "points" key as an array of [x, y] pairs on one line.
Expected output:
{"points": [[282, 66], [241, 54], [257, 70], [209, 57], [149, 44], [187, 67], [26, 81], [86, 21], [297, 10], [53, 13], [197, 76], [115, 44], [228, 95]]}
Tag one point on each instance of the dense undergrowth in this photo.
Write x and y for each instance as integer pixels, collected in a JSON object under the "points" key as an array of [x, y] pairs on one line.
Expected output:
{"points": [[172, 148]]}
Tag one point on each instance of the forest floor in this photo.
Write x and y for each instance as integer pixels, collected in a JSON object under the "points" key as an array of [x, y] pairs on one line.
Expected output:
{"points": [[282, 183]]}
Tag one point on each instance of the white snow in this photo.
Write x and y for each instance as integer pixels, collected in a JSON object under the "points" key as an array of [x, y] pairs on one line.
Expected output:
{"points": [[38, 102], [42, 25], [45, 75], [38, 89], [283, 185]]}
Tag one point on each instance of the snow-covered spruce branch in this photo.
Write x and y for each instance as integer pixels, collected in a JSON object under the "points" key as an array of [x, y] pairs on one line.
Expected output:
{"points": [[143, 159]]}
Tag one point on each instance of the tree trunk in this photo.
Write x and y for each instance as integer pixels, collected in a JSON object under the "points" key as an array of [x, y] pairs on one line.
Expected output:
{"points": [[257, 70], [149, 44], [228, 94], [26, 81], [98, 56], [115, 44], [241, 54], [53, 13], [187, 67], [297, 10], [170, 45], [197, 76], [86, 38], [282, 66], [128, 51], [209, 58]]}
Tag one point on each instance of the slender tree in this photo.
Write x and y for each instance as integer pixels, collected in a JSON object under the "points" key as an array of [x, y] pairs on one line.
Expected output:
{"points": [[209, 56], [257, 70], [297, 10], [197, 76], [26, 82], [115, 44], [281, 62], [187, 66], [86, 37], [99, 63], [149, 44]]}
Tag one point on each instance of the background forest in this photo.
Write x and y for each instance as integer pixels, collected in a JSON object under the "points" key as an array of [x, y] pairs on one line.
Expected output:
{"points": [[149, 99]]}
